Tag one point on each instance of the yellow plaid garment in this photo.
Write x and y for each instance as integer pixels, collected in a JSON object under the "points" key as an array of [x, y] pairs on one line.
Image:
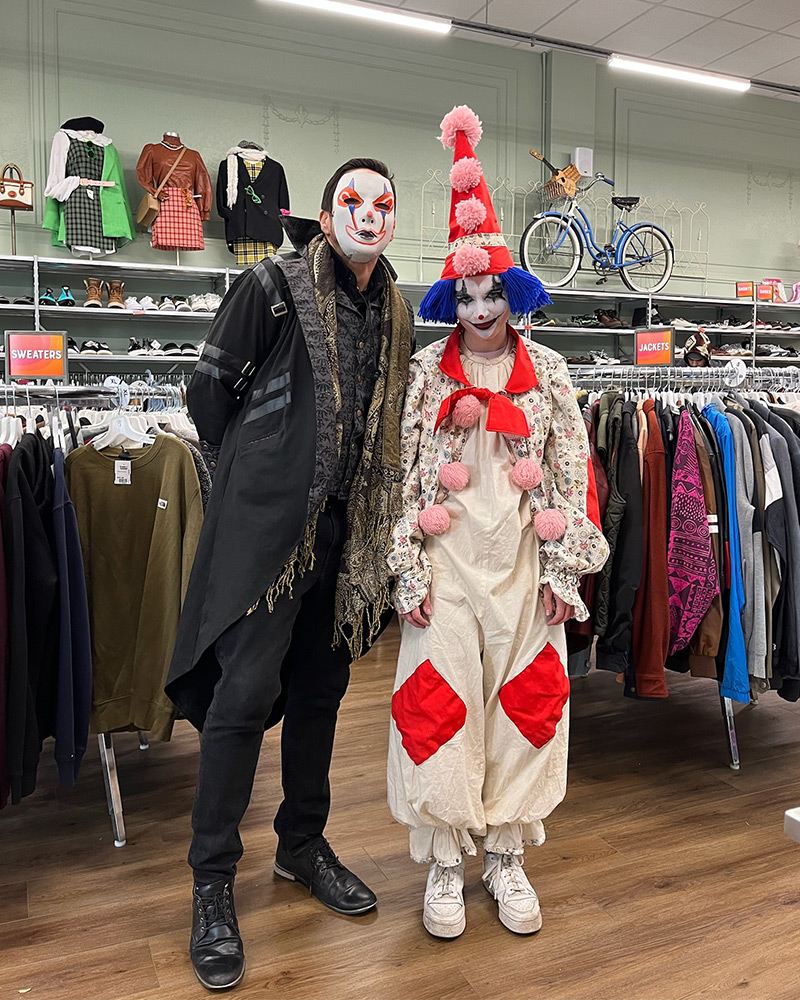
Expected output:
{"points": [[252, 251]]}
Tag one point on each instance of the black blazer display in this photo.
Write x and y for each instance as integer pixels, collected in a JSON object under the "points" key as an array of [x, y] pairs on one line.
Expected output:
{"points": [[247, 218]]}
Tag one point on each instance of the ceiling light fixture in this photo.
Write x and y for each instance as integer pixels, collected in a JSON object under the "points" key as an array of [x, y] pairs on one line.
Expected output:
{"points": [[679, 73], [369, 12]]}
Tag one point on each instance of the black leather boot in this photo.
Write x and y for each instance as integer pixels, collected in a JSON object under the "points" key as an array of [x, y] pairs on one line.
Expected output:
{"points": [[323, 874], [216, 947]]}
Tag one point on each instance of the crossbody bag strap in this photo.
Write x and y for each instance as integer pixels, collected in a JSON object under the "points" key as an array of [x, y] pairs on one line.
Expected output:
{"points": [[263, 271], [178, 159]]}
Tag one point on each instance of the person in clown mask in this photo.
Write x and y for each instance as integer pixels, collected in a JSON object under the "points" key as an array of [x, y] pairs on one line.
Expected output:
{"points": [[297, 399], [500, 521]]}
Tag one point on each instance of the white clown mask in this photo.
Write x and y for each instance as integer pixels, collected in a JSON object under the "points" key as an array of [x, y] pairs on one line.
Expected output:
{"points": [[481, 305], [363, 215]]}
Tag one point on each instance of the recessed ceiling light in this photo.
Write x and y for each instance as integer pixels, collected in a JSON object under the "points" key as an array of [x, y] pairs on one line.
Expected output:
{"points": [[370, 12], [679, 73]]}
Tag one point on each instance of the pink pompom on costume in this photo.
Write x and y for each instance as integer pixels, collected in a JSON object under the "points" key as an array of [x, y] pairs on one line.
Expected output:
{"points": [[496, 465]]}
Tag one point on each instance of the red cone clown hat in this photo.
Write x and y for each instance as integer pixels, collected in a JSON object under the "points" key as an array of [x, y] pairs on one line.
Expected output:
{"points": [[476, 244]]}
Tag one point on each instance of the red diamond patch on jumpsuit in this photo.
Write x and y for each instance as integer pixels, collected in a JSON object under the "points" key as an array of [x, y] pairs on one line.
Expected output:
{"points": [[427, 712], [534, 700]]}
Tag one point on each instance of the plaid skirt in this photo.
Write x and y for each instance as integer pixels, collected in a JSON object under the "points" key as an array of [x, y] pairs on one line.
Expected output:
{"points": [[178, 225]]}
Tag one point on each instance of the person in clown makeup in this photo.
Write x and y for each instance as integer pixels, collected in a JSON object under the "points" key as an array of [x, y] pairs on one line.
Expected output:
{"points": [[500, 521], [297, 400]]}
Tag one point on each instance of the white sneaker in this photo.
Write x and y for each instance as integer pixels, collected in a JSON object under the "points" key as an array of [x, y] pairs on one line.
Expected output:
{"points": [[198, 303], [683, 324], [166, 304], [518, 904], [443, 913], [155, 347], [132, 304], [148, 303], [213, 301]]}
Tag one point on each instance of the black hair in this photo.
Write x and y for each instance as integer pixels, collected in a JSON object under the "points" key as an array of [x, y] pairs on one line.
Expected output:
{"points": [[357, 163]]}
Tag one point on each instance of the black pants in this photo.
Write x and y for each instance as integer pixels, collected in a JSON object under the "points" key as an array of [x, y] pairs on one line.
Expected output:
{"points": [[264, 657]]}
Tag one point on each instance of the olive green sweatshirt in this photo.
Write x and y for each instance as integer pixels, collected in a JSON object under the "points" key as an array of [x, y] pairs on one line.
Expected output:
{"points": [[138, 545]]}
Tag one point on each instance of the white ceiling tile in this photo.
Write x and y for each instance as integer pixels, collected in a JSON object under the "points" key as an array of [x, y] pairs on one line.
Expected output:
{"points": [[772, 15], [586, 21], [523, 15], [792, 29], [652, 31], [712, 42], [759, 56], [788, 74], [462, 9], [714, 8]]}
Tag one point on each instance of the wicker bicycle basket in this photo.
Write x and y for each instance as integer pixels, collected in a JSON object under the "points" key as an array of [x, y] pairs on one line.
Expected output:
{"points": [[564, 183]]}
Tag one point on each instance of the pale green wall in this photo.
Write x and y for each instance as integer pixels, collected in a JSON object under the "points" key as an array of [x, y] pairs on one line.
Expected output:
{"points": [[313, 81]]}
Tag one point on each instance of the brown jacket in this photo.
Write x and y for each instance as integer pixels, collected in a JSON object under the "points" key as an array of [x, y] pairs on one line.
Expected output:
{"points": [[189, 175], [651, 607]]}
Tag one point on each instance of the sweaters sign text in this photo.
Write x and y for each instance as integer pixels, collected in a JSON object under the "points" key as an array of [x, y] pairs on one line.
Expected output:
{"points": [[36, 355]]}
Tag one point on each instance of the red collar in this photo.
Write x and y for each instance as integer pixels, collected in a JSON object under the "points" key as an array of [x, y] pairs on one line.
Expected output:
{"points": [[523, 375]]}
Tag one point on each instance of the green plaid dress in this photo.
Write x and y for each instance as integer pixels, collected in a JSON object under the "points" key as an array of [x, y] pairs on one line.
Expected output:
{"points": [[83, 214]]}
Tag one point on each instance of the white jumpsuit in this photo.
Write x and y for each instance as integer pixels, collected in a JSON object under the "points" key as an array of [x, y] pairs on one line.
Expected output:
{"points": [[480, 713]]}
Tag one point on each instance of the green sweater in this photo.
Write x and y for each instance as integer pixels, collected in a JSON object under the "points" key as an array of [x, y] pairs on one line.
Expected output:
{"points": [[117, 218]]}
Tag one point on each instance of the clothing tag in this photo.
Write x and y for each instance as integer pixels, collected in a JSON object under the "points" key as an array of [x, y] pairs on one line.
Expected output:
{"points": [[162, 504], [122, 473], [90, 193]]}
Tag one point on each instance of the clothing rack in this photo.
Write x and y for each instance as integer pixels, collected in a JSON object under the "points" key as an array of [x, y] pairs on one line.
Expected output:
{"points": [[114, 393], [732, 376]]}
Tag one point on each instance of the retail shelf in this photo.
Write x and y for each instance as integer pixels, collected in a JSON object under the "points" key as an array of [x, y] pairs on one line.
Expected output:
{"points": [[127, 268], [17, 310], [702, 300], [779, 305], [593, 295], [126, 314], [13, 262], [777, 361], [140, 360]]}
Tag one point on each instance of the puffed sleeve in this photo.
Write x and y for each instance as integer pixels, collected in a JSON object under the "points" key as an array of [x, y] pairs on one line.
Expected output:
{"points": [[582, 549], [59, 186], [407, 559], [144, 169], [203, 189]]}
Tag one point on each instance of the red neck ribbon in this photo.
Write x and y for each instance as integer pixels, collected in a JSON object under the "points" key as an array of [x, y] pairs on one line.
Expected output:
{"points": [[503, 416]]}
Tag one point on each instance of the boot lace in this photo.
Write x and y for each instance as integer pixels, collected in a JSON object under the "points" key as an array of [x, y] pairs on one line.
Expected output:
{"points": [[325, 858], [215, 909]]}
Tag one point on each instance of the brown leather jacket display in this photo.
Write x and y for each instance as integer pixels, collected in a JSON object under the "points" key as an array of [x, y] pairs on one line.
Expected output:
{"points": [[189, 175]]}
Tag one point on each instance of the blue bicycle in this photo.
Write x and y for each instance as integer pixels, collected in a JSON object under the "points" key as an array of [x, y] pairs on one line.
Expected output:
{"points": [[553, 243]]}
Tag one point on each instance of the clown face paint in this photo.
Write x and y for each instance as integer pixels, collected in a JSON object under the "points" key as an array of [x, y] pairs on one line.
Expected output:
{"points": [[363, 215], [481, 305]]}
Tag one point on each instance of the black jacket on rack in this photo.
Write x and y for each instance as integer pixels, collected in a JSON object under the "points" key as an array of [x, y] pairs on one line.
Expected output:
{"points": [[249, 218], [33, 609]]}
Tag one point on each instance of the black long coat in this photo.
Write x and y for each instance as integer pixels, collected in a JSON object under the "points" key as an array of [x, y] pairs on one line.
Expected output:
{"points": [[278, 449], [248, 218]]}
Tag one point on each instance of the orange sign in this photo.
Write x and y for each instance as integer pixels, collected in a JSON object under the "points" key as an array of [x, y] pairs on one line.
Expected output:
{"points": [[654, 347], [745, 289], [36, 355], [765, 293]]}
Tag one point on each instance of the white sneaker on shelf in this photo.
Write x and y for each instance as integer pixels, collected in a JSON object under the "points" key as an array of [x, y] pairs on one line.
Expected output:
{"points": [[132, 304], [198, 303], [148, 303], [166, 304], [443, 913], [682, 324], [517, 903], [155, 347], [213, 301]]}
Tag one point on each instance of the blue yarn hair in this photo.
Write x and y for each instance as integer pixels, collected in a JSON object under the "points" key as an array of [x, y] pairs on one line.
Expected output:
{"points": [[524, 291]]}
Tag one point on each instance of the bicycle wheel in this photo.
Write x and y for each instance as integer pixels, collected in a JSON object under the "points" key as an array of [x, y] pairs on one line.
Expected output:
{"points": [[551, 249], [653, 258]]}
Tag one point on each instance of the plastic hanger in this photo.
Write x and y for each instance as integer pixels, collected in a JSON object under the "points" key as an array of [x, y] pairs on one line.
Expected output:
{"points": [[121, 431]]}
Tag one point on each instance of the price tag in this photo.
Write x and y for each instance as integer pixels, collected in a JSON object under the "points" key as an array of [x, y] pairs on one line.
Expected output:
{"points": [[122, 473]]}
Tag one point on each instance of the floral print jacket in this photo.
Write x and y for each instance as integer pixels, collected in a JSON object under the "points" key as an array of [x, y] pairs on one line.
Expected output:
{"points": [[557, 442]]}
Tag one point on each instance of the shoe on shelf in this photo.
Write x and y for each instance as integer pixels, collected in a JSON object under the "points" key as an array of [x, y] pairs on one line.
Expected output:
{"points": [[47, 298], [155, 347], [89, 347], [103, 348], [213, 301], [443, 911], [540, 318], [609, 318], [24, 300], [517, 903], [4, 300], [181, 303], [794, 298], [215, 947], [132, 304], [601, 358], [189, 349], [72, 347], [580, 360], [317, 868], [171, 349], [165, 304], [94, 293], [148, 303], [136, 348], [197, 303], [66, 298], [116, 293]]}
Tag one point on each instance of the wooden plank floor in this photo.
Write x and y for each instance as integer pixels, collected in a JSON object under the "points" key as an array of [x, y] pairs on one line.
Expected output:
{"points": [[665, 876]]}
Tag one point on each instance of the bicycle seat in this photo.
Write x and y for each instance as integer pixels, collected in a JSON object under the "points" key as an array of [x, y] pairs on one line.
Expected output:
{"points": [[626, 203]]}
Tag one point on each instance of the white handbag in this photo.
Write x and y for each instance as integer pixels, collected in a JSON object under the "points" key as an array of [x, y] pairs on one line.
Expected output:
{"points": [[15, 193]]}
